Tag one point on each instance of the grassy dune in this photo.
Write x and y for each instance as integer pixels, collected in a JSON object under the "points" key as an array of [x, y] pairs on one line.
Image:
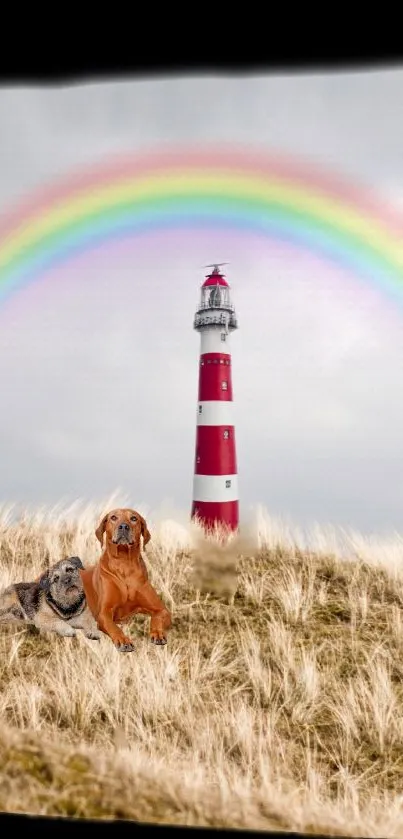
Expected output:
{"points": [[277, 703]]}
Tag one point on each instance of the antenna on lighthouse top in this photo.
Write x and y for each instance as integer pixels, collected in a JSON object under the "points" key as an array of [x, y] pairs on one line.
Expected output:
{"points": [[216, 266]]}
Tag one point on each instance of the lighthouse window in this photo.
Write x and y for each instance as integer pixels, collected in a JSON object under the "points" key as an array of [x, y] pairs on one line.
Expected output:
{"points": [[227, 484], [215, 296], [198, 459], [200, 408], [223, 336], [226, 434], [224, 385]]}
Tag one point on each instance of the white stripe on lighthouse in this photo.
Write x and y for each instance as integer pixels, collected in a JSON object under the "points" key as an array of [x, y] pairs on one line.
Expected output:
{"points": [[215, 488], [216, 412], [211, 341]]}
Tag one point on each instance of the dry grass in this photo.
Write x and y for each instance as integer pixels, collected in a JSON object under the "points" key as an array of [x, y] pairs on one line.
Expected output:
{"points": [[277, 704]]}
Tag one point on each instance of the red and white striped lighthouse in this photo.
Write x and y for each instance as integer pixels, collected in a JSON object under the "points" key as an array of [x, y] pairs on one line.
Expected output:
{"points": [[215, 483]]}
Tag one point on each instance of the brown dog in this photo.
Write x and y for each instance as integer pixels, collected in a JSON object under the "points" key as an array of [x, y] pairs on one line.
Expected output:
{"points": [[117, 587]]}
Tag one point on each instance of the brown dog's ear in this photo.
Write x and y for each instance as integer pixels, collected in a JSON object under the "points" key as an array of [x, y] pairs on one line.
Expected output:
{"points": [[145, 532], [99, 533]]}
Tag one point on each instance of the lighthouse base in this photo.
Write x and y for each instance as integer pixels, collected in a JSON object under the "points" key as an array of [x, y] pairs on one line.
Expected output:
{"points": [[211, 513]]}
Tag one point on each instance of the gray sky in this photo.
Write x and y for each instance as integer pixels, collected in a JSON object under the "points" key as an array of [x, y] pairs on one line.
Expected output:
{"points": [[99, 361]]}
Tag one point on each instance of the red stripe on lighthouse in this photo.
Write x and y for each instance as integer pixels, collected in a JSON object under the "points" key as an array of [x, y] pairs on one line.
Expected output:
{"points": [[215, 450], [215, 380], [225, 512]]}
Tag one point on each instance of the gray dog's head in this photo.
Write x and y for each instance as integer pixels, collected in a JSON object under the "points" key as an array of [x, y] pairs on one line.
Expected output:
{"points": [[63, 581]]}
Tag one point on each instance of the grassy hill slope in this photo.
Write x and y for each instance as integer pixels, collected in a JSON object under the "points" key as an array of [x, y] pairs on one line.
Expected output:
{"points": [[277, 703]]}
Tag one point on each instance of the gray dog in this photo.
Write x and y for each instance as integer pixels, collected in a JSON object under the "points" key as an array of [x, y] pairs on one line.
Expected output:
{"points": [[53, 603]]}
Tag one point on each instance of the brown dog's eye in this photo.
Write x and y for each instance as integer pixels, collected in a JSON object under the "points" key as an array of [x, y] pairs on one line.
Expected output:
{"points": [[114, 518], [133, 518]]}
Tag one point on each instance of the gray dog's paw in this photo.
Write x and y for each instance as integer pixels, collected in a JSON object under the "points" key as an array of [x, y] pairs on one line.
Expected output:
{"points": [[125, 648], [94, 636], [68, 633]]}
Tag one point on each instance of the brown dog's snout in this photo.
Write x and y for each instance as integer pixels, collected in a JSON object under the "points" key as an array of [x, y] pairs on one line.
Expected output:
{"points": [[123, 533], [123, 528]]}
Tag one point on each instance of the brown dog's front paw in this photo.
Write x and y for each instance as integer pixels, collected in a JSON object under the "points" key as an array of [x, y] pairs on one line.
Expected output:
{"points": [[124, 648], [160, 641]]}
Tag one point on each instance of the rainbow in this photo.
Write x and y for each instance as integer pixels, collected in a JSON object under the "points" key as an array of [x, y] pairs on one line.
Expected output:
{"points": [[227, 188]]}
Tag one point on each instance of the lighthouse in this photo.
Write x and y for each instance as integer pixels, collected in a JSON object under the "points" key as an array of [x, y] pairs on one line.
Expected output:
{"points": [[215, 482]]}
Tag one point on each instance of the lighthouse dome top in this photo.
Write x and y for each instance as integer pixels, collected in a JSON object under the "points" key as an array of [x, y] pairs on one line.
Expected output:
{"points": [[215, 279]]}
